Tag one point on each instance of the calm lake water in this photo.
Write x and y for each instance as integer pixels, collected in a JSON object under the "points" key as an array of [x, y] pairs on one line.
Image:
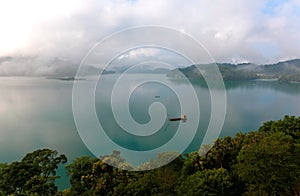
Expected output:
{"points": [[37, 113]]}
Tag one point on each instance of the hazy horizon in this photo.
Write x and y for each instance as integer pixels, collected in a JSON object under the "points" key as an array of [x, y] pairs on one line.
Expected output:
{"points": [[259, 32]]}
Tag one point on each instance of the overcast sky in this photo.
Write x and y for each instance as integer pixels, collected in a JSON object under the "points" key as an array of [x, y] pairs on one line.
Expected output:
{"points": [[259, 31]]}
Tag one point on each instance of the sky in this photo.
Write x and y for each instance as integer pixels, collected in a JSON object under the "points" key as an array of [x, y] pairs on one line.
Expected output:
{"points": [[258, 31]]}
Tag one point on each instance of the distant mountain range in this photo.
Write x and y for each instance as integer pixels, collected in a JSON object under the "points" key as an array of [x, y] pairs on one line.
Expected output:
{"points": [[49, 67], [149, 69], [286, 71], [63, 68]]}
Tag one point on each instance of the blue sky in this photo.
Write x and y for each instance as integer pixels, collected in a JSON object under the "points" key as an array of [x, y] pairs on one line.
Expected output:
{"points": [[259, 31], [271, 6]]}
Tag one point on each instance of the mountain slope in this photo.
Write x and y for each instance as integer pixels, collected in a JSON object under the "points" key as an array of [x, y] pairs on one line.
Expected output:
{"points": [[287, 71]]}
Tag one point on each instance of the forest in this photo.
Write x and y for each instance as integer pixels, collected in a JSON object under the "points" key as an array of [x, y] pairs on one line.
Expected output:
{"points": [[262, 162]]}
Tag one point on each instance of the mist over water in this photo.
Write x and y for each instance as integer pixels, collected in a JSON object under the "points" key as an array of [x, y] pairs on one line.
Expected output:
{"points": [[37, 113]]}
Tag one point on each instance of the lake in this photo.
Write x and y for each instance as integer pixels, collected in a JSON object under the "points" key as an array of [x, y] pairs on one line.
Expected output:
{"points": [[37, 112]]}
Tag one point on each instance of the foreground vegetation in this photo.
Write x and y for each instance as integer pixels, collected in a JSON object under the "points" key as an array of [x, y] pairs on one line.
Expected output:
{"points": [[263, 162]]}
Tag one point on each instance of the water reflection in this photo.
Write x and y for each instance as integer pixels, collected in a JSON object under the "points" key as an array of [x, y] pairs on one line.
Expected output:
{"points": [[37, 112], [289, 88]]}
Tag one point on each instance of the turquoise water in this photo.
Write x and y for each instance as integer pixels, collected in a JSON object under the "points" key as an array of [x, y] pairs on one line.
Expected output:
{"points": [[37, 113]]}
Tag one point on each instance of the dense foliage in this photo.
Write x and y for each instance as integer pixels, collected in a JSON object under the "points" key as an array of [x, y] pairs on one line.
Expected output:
{"points": [[35, 174], [264, 162]]}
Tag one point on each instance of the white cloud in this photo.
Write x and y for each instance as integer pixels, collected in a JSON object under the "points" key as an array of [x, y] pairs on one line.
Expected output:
{"points": [[228, 29]]}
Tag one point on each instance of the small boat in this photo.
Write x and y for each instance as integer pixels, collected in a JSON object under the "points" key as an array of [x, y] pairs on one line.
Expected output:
{"points": [[157, 96], [183, 118]]}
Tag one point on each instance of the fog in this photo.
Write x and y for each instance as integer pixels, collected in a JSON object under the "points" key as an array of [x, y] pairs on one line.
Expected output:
{"points": [[45, 35]]}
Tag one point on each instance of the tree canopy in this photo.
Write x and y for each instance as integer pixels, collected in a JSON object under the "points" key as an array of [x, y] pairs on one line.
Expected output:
{"points": [[34, 174]]}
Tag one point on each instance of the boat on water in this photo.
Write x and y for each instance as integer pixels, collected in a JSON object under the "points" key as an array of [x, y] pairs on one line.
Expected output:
{"points": [[183, 118]]}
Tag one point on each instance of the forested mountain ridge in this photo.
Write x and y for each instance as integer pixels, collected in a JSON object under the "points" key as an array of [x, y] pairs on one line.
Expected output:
{"points": [[286, 71]]}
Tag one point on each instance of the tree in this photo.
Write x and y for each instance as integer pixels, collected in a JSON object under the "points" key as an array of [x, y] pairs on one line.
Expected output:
{"points": [[14, 176], [223, 153], [269, 164], [47, 160], [289, 125], [160, 181], [191, 164], [206, 182], [165, 158], [102, 176], [33, 175], [39, 185], [3, 186], [76, 170]]}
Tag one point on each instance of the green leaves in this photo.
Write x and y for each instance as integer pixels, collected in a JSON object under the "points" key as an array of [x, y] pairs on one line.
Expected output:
{"points": [[269, 164], [206, 182], [290, 125], [34, 174], [46, 159], [78, 171]]}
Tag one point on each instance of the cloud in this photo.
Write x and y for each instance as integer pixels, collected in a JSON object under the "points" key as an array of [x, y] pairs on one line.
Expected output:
{"points": [[243, 30]]}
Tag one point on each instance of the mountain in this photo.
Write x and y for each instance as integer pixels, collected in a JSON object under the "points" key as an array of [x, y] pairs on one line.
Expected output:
{"points": [[41, 66], [147, 69], [228, 71], [286, 71], [285, 66]]}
